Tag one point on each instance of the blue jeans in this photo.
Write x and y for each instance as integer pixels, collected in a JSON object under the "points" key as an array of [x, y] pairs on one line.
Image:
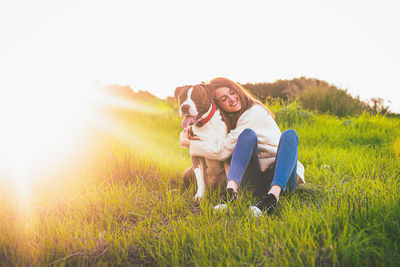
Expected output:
{"points": [[245, 168]]}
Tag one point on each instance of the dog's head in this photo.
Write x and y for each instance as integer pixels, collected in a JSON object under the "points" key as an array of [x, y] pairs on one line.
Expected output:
{"points": [[194, 102]]}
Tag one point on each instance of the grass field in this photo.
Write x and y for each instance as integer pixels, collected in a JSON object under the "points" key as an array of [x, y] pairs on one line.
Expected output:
{"points": [[119, 200]]}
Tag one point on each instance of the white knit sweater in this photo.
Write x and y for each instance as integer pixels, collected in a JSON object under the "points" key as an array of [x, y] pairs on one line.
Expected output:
{"points": [[259, 120]]}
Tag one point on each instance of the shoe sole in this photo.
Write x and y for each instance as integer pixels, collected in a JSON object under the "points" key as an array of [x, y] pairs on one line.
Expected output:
{"points": [[256, 212], [220, 207]]}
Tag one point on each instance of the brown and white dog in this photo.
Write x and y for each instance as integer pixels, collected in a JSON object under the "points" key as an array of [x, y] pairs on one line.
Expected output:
{"points": [[203, 121]]}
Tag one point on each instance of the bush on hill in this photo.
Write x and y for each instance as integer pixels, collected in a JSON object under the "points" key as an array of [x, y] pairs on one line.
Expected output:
{"points": [[283, 89], [317, 95], [333, 101]]}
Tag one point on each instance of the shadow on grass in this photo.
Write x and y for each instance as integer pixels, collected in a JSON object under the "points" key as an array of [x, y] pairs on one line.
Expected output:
{"points": [[308, 195]]}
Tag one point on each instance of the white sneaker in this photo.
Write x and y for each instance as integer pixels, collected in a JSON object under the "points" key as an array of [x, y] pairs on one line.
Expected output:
{"points": [[229, 197]]}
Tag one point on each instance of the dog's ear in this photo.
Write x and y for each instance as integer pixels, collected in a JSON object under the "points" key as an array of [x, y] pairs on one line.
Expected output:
{"points": [[177, 91], [210, 90]]}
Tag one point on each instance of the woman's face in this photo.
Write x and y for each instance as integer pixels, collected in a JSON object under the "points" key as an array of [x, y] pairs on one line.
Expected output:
{"points": [[228, 99]]}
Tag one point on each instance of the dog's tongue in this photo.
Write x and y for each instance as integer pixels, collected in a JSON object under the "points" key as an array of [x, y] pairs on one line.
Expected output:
{"points": [[188, 121]]}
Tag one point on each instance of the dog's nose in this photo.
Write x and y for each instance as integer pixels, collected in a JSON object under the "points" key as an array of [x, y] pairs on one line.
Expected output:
{"points": [[185, 108]]}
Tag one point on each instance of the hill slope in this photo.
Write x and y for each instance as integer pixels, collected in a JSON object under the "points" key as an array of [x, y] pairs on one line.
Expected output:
{"points": [[123, 203]]}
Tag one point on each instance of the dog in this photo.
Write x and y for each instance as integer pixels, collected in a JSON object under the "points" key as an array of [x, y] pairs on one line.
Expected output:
{"points": [[203, 120]]}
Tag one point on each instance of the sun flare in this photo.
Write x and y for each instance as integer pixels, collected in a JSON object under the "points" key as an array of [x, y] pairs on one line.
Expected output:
{"points": [[40, 127], [44, 127]]}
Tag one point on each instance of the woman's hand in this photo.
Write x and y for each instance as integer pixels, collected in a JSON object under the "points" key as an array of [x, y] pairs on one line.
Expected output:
{"points": [[186, 137], [185, 140]]}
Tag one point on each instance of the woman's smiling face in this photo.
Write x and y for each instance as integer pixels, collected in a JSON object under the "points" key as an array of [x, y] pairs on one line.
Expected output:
{"points": [[228, 99]]}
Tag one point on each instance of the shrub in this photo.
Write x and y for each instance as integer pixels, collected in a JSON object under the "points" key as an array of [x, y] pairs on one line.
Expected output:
{"points": [[288, 114], [332, 100]]}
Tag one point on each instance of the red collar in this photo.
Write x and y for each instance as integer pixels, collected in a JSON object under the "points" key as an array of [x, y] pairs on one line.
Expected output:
{"points": [[209, 116]]}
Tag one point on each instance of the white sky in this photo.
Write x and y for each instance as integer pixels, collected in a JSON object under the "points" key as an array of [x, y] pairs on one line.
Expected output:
{"points": [[159, 45]]}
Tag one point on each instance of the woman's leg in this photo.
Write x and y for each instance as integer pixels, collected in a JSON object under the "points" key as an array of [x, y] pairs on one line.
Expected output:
{"points": [[244, 167], [285, 175]]}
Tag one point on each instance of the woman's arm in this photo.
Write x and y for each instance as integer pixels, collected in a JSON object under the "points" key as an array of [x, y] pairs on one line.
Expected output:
{"points": [[218, 149], [256, 118]]}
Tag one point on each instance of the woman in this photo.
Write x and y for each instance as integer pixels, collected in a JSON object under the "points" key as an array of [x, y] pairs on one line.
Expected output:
{"points": [[261, 157]]}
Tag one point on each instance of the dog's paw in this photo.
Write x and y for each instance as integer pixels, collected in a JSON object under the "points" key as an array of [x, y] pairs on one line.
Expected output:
{"points": [[198, 197]]}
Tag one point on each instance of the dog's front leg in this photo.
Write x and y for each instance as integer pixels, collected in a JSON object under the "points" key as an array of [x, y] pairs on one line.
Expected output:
{"points": [[198, 167]]}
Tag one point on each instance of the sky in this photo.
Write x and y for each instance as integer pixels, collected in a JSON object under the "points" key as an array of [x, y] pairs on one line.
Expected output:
{"points": [[159, 45]]}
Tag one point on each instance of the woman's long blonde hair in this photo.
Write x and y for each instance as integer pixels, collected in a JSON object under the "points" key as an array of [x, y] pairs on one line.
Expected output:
{"points": [[246, 100]]}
